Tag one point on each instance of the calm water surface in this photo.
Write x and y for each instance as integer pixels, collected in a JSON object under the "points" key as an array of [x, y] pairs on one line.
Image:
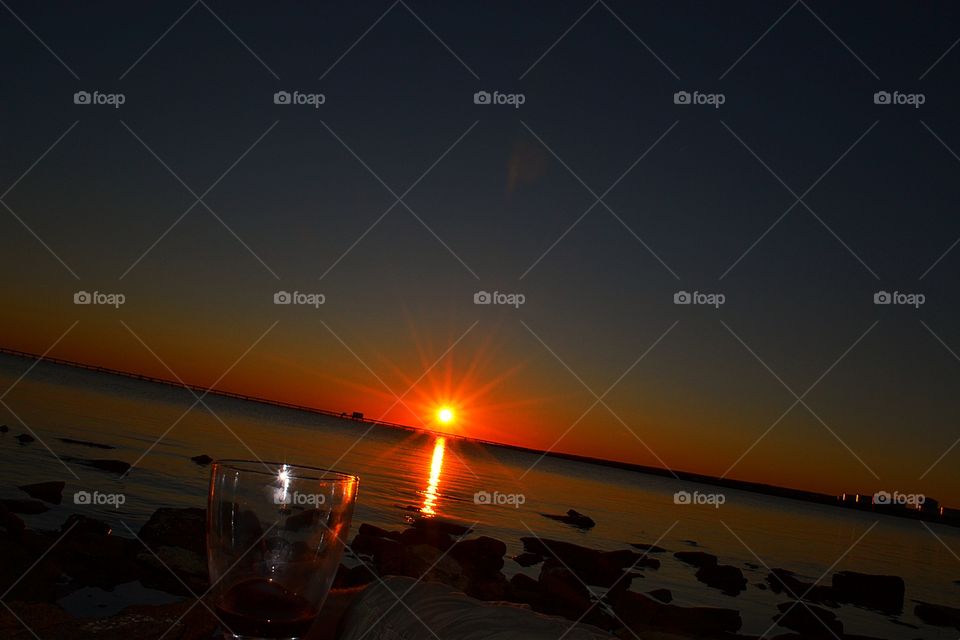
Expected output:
{"points": [[405, 473]]}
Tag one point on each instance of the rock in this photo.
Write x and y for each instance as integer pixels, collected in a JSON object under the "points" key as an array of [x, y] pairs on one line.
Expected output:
{"points": [[27, 571], [492, 587], [649, 548], [426, 562], [24, 438], [938, 614], [370, 530], [527, 559], [727, 578], [94, 558], [77, 523], [51, 492], [354, 577], [24, 506], [4, 428], [565, 594], [441, 526], [202, 460], [480, 557], [166, 564], [113, 466], [641, 614], [809, 620], [783, 580], [696, 558], [185, 528], [190, 622], [433, 537], [87, 443], [523, 588], [9, 521], [663, 595], [573, 518], [602, 569], [878, 592]]}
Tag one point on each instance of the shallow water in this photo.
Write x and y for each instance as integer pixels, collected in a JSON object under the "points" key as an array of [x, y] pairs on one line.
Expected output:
{"points": [[404, 472]]}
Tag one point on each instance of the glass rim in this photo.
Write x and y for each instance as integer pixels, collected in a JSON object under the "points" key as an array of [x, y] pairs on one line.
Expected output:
{"points": [[256, 466]]}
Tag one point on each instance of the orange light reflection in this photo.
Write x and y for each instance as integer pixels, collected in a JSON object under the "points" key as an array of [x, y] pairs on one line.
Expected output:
{"points": [[436, 466]]}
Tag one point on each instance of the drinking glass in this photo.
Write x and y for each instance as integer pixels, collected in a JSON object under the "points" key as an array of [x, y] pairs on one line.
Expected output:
{"points": [[275, 533]]}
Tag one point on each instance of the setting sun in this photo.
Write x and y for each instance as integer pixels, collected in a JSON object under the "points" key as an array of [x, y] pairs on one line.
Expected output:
{"points": [[445, 415]]}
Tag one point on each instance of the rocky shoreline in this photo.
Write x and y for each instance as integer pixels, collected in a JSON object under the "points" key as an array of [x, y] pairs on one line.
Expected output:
{"points": [[168, 554]]}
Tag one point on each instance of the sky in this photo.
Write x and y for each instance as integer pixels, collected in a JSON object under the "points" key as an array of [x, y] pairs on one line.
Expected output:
{"points": [[787, 190]]}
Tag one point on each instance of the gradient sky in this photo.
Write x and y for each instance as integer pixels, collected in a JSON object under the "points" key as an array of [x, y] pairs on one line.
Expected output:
{"points": [[798, 303]]}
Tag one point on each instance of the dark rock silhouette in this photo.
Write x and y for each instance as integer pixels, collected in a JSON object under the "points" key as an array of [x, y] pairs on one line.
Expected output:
{"points": [[727, 578], [23, 506], [4, 428], [599, 568], [783, 580], [24, 438], [696, 558], [810, 620], [202, 460], [185, 528], [87, 443], [642, 613], [112, 466], [573, 518], [527, 559], [50, 492], [878, 592], [938, 614], [663, 595]]}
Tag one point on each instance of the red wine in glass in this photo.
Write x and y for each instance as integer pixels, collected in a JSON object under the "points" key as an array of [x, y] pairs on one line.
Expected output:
{"points": [[262, 608]]}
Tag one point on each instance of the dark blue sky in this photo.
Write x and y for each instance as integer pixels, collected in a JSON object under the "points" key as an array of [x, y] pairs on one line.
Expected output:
{"points": [[800, 96]]}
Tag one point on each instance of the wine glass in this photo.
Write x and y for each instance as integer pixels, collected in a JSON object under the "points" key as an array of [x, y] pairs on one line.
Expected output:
{"points": [[275, 533]]}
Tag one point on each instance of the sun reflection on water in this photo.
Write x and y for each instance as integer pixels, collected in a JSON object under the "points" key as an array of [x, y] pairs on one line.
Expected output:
{"points": [[436, 466]]}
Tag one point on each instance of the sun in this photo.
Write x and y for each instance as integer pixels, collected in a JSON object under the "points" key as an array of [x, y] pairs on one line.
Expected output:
{"points": [[445, 415]]}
